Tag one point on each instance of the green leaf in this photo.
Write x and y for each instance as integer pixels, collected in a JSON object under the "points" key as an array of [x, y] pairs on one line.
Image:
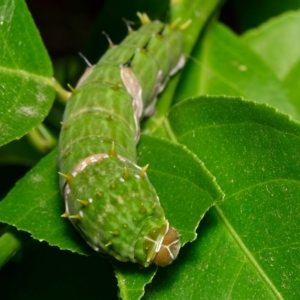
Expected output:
{"points": [[181, 176], [240, 251], [290, 83], [183, 185], [214, 268], [35, 205], [132, 280], [248, 245], [26, 88], [223, 65], [277, 42]]}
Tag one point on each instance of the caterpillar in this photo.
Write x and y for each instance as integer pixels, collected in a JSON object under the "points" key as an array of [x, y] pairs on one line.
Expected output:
{"points": [[108, 198]]}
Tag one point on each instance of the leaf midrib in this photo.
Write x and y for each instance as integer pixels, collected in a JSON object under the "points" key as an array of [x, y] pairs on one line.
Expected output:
{"points": [[27, 75], [247, 253]]}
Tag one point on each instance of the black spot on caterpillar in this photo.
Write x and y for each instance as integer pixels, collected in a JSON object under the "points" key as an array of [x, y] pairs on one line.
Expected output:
{"points": [[108, 198]]}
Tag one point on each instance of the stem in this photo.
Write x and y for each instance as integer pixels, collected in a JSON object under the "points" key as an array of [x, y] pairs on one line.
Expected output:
{"points": [[10, 243], [42, 139], [169, 131], [162, 107], [62, 94]]}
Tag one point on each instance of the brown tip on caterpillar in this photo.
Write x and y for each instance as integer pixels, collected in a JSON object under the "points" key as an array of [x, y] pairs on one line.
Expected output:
{"points": [[112, 151], [185, 25], [73, 91], [143, 18], [175, 23], [125, 174], [169, 248], [83, 202], [77, 216], [111, 44], [66, 176], [65, 215], [144, 170]]}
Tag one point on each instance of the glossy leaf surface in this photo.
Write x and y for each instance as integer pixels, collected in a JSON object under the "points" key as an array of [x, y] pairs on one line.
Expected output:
{"points": [[254, 155], [35, 205], [248, 244], [27, 89], [277, 42], [224, 65]]}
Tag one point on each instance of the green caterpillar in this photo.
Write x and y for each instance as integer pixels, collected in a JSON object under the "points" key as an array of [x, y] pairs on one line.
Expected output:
{"points": [[108, 198]]}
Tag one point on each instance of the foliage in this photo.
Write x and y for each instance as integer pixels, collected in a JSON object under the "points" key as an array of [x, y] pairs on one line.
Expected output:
{"points": [[222, 148]]}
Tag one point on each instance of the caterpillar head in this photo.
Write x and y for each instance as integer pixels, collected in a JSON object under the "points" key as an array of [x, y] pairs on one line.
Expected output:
{"points": [[169, 248], [162, 245]]}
